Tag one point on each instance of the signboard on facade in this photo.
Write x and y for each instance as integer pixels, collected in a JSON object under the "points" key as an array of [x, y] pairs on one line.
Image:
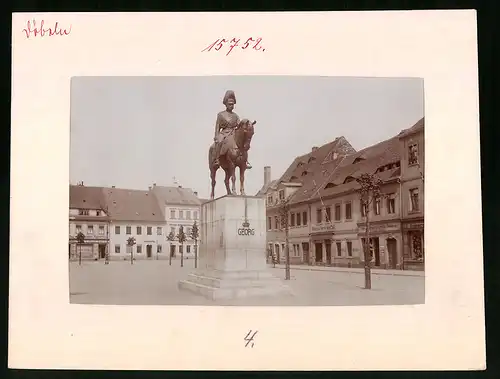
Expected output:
{"points": [[322, 228], [380, 228], [414, 225]]}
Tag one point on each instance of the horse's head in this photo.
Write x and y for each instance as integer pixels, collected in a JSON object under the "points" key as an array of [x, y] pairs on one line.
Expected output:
{"points": [[245, 133]]}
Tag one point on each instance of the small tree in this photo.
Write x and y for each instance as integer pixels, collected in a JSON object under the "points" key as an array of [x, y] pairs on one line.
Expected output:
{"points": [[284, 216], [80, 239], [369, 192], [181, 237], [131, 243], [170, 238], [195, 234]]}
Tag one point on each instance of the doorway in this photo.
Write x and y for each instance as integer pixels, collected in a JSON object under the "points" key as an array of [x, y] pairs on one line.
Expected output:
{"points": [[102, 251], [172, 251], [318, 247], [392, 252], [328, 247], [376, 250], [277, 252], [305, 252], [149, 251]]}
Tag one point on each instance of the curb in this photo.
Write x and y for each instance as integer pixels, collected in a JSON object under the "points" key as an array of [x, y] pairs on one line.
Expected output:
{"points": [[352, 272]]}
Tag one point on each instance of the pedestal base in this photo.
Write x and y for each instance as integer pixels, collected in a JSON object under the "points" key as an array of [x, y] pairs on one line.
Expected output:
{"points": [[216, 285]]}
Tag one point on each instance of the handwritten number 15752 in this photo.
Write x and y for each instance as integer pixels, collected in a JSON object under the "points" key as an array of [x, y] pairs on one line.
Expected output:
{"points": [[230, 44]]}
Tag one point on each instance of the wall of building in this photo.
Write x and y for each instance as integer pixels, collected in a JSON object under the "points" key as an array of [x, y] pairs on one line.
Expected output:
{"points": [[185, 215], [157, 241], [96, 234]]}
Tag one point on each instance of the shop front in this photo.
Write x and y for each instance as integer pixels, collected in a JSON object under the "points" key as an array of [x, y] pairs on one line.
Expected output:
{"points": [[413, 245], [385, 243], [321, 240]]}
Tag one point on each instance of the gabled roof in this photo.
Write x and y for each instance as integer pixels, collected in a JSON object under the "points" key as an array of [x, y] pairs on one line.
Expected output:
{"points": [[414, 129], [132, 205], [266, 187], [83, 197], [175, 196]]}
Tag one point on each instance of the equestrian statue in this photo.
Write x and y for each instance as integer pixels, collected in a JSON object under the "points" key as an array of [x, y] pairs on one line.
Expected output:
{"points": [[231, 144]]}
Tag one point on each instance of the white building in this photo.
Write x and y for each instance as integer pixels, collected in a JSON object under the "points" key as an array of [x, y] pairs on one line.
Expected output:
{"points": [[135, 213], [181, 207], [87, 214]]}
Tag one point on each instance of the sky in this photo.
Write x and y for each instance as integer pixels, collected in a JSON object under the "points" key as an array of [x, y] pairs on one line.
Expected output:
{"points": [[131, 132]]}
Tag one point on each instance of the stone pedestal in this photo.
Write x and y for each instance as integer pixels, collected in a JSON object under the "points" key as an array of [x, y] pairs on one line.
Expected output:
{"points": [[232, 252]]}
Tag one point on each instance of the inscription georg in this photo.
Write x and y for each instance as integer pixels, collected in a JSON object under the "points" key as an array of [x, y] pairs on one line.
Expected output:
{"points": [[246, 230]]}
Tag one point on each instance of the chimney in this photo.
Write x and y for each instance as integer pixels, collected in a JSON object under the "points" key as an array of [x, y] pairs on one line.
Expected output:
{"points": [[154, 184], [113, 187], [150, 188], [267, 175], [314, 148], [196, 193]]}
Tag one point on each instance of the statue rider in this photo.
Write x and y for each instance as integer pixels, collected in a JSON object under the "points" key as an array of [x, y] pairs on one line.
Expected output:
{"points": [[226, 122]]}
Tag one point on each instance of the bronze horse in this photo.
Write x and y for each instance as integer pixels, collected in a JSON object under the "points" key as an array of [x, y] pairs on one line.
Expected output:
{"points": [[233, 153]]}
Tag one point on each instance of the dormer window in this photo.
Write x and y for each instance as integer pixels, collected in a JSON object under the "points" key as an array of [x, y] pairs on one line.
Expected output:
{"points": [[311, 159], [83, 212], [348, 179], [293, 178], [304, 173], [358, 159], [413, 154], [300, 164], [330, 185], [281, 194]]}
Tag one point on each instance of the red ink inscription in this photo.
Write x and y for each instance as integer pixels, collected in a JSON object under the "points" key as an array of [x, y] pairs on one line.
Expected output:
{"points": [[255, 44], [32, 30]]}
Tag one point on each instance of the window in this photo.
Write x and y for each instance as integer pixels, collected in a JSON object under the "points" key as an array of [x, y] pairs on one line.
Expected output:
{"points": [[276, 223], [159, 231], [181, 214], [97, 213], [391, 204], [348, 211], [83, 212], [282, 194], [319, 216], [195, 215], [298, 219], [413, 154], [269, 223], [296, 250], [337, 212], [78, 229], [117, 249], [172, 213], [139, 249], [328, 214], [376, 206], [139, 230], [188, 249], [349, 248], [414, 204], [292, 219], [270, 200], [101, 230], [188, 232], [339, 249], [172, 230], [188, 215], [158, 248], [117, 230], [150, 230], [304, 218], [362, 206], [90, 229], [128, 230]]}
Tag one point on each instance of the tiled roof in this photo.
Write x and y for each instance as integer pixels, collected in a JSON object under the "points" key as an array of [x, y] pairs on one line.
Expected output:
{"points": [[175, 196], [83, 197], [132, 205], [367, 160], [266, 187], [415, 128]]}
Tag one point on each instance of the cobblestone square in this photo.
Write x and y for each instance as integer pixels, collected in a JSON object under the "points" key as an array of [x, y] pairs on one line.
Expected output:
{"points": [[154, 282]]}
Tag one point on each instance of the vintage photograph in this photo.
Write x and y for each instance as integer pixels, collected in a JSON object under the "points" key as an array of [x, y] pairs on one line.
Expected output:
{"points": [[247, 190]]}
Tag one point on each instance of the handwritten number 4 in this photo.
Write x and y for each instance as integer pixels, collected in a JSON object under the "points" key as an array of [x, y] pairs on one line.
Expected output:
{"points": [[250, 338]]}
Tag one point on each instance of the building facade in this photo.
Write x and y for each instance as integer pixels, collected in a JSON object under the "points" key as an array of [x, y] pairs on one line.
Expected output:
{"points": [[135, 213], [181, 207], [88, 215], [327, 222], [412, 178]]}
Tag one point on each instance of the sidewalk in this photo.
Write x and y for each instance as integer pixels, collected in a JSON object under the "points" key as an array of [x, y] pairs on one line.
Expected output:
{"points": [[352, 270]]}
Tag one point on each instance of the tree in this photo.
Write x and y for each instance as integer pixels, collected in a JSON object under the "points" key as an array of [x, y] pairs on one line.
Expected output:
{"points": [[195, 234], [369, 192], [170, 238], [284, 217], [181, 237], [80, 238], [131, 243]]}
